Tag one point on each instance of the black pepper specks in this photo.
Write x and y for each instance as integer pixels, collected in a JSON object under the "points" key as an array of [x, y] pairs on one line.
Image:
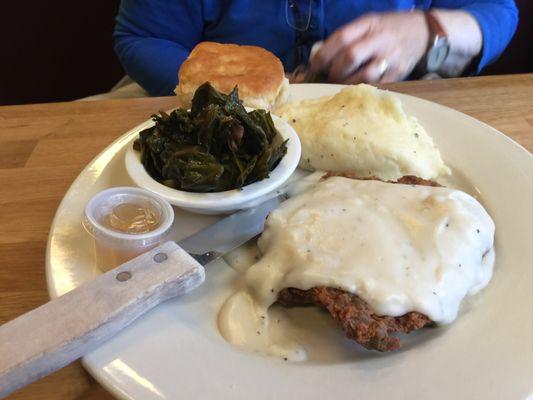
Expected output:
{"points": [[285, 358], [293, 120], [477, 230], [271, 290], [416, 135]]}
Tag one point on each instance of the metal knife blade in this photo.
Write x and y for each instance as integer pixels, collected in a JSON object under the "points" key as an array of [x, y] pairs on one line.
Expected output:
{"points": [[229, 233]]}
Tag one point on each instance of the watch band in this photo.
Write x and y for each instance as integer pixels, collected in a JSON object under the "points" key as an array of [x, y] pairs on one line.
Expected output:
{"points": [[438, 46], [435, 27]]}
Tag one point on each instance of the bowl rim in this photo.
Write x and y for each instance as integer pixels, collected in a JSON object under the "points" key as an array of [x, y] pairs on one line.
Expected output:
{"points": [[229, 198]]}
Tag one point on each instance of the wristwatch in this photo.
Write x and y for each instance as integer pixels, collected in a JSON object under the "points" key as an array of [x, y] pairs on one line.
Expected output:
{"points": [[438, 47]]}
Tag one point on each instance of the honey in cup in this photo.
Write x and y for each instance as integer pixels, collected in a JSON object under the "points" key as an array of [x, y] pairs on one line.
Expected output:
{"points": [[132, 218], [124, 223]]}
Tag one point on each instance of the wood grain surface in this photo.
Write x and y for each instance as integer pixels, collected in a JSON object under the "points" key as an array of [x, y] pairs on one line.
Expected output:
{"points": [[43, 148]]}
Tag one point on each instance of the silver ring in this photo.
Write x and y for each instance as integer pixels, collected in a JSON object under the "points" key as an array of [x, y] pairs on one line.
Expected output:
{"points": [[383, 66]]}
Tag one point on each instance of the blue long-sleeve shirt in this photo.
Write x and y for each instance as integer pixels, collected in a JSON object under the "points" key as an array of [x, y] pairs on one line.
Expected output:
{"points": [[153, 37]]}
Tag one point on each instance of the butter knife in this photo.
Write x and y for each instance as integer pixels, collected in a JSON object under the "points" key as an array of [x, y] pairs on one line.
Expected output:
{"points": [[64, 329]]}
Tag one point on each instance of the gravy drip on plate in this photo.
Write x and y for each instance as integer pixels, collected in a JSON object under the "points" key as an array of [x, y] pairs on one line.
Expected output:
{"points": [[400, 248]]}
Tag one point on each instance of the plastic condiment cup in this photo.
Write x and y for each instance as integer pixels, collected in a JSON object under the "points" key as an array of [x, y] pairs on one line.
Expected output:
{"points": [[113, 248]]}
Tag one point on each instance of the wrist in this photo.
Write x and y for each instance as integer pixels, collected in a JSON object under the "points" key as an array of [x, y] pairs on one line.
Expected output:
{"points": [[464, 33], [438, 47]]}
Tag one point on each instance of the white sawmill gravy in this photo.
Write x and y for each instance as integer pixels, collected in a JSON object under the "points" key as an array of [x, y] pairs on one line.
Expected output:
{"points": [[400, 248]]}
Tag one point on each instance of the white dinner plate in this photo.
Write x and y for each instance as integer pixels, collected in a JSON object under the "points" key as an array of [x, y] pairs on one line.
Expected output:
{"points": [[176, 351]]}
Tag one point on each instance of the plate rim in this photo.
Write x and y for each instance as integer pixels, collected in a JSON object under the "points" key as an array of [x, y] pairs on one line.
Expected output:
{"points": [[100, 376]]}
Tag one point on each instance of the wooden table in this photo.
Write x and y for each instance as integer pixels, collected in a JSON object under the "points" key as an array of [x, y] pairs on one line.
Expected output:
{"points": [[44, 147]]}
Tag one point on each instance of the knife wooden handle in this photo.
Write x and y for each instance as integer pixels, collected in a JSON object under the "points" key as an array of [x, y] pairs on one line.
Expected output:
{"points": [[46, 339]]}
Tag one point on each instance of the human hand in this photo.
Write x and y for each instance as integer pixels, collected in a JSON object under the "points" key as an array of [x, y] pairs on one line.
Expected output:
{"points": [[297, 76], [381, 47]]}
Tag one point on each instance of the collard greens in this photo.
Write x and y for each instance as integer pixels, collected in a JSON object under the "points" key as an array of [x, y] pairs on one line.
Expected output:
{"points": [[215, 146]]}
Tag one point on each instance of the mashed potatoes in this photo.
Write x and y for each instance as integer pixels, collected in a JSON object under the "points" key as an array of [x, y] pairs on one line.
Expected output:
{"points": [[364, 130]]}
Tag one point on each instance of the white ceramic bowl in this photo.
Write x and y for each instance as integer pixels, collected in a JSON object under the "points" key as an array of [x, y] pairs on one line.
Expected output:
{"points": [[228, 201]]}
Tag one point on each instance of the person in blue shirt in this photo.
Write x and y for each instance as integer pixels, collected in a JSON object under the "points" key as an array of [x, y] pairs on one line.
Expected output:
{"points": [[364, 40]]}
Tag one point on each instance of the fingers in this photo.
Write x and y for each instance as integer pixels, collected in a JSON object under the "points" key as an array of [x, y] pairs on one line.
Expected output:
{"points": [[296, 78], [372, 72], [384, 67], [351, 58], [341, 38], [395, 73], [390, 77]]}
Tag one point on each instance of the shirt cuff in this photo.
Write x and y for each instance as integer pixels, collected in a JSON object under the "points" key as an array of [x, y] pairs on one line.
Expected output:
{"points": [[497, 29]]}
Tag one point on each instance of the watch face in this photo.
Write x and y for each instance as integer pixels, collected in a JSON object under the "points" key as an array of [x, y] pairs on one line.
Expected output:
{"points": [[437, 54]]}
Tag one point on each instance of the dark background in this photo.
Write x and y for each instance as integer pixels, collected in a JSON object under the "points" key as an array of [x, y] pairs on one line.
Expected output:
{"points": [[57, 50], [61, 50]]}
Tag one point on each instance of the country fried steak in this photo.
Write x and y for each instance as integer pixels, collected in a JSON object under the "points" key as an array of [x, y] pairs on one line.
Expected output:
{"points": [[353, 314], [405, 180]]}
